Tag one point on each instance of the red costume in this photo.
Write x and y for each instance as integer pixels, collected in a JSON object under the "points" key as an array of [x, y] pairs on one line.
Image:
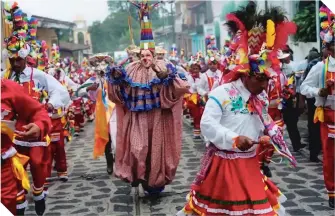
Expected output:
{"points": [[12, 100]]}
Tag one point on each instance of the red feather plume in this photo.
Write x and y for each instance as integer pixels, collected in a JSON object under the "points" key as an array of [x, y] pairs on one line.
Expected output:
{"points": [[232, 17], [283, 30]]}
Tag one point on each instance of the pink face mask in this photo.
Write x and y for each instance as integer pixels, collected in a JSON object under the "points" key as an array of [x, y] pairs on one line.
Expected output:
{"points": [[146, 58]]}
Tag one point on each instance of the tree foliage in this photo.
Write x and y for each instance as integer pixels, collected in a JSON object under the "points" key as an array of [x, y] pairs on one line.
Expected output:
{"points": [[113, 33], [305, 20]]}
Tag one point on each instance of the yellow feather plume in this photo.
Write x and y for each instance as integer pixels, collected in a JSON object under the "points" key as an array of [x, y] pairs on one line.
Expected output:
{"points": [[270, 33]]}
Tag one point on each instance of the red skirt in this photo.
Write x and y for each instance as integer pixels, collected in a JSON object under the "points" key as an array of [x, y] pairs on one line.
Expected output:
{"points": [[234, 185]]}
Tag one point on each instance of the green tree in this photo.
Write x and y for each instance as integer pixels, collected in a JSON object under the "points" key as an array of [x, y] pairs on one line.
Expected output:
{"points": [[305, 20]]}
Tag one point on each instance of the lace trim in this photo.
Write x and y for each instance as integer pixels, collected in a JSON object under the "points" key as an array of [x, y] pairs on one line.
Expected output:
{"points": [[29, 144], [235, 155], [39, 197], [125, 78], [22, 205], [226, 211], [9, 153]]}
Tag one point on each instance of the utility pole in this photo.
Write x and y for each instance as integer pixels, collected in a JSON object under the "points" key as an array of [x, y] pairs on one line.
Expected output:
{"points": [[172, 22], [266, 5]]}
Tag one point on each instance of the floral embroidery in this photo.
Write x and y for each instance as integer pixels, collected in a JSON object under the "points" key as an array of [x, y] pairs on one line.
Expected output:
{"points": [[232, 92], [238, 105]]}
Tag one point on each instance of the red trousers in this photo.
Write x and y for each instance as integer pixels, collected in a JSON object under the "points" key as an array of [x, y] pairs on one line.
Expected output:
{"points": [[56, 149], [196, 113], [38, 168], [327, 139], [90, 109], [8, 186], [265, 153], [79, 118]]}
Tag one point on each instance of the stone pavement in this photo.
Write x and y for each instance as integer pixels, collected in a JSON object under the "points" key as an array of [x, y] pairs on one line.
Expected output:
{"points": [[91, 191]]}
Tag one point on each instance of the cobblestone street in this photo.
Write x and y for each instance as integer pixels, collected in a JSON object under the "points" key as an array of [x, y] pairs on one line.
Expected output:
{"points": [[91, 191]]}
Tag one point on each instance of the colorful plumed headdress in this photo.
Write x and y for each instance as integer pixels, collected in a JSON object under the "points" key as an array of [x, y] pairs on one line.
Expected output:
{"points": [[210, 42], [147, 39], [240, 22], [173, 53], [43, 56], [15, 17], [55, 55], [32, 29], [17, 20], [16, 46], [160, 50], [194, 60], [100, 62], [277, 31], [327, 19], [84, 63]]}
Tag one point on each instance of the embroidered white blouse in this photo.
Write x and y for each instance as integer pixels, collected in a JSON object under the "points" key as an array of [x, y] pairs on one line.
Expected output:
{"points": [[227, 115]]}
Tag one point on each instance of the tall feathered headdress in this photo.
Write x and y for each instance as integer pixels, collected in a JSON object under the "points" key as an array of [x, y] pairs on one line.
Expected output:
{"points": [[147, 39], [278, 29], [43, 56], [173, 53], [327, 19], [55, 55]]}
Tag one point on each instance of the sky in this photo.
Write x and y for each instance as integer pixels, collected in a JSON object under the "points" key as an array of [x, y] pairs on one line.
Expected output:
{"points": [[66, 10]]}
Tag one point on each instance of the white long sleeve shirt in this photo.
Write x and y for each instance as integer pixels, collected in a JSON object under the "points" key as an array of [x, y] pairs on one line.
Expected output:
{"points": [[227, 116], [311, 86], [203, 86], [58, 94], [193, 82]]}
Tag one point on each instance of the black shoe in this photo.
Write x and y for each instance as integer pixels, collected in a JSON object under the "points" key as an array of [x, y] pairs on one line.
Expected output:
{"points": [[301, 146], [20, 212], [314, 159], [110, 163], [266, 171], [40, 207], [331, 202]]}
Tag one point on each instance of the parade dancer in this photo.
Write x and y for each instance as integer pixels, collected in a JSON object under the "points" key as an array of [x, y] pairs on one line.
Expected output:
{"points": [[234, 117], [36, 123], [173, 58], [208, 78], [193, 100], [319, 83], [57, 145], [38, 85], [160, 53], [132, 51], [105, 126], [148, 98]]}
